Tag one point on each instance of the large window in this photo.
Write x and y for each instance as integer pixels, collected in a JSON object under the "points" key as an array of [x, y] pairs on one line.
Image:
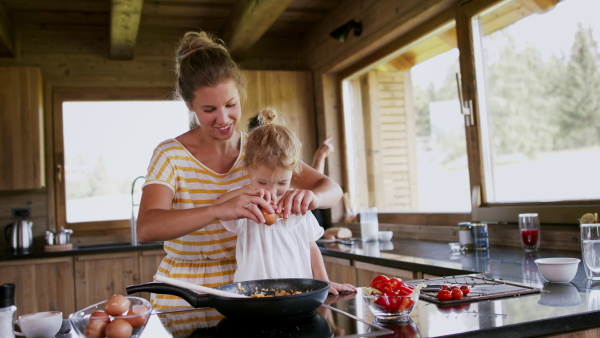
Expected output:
{"points": [[106, 140], [539, 100], [407, 145]]}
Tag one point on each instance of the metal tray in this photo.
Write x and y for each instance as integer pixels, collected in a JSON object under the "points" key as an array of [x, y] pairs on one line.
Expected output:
{"points": [[481, 288]]}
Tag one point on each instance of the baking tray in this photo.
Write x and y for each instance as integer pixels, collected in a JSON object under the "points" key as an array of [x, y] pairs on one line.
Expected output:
{"points": [[481, 288]]}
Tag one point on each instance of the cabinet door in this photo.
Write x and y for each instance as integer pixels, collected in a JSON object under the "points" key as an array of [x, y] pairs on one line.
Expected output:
{"points": [[340, 270], [97, 277], [21, 126], [366, 272], [149, 262], [41, 284]]}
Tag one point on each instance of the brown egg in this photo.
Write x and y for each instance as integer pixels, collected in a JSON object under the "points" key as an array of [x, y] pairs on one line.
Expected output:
{"points": [[270, 219], [95, 329], [139, 313], [117, 305], [119, 328], [100, 315]]}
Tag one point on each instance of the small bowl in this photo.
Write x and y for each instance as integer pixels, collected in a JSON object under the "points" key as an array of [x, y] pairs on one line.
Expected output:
{"points": [[385, 236], [384, 315], [79, 319], [454, 246], [558, 270]]}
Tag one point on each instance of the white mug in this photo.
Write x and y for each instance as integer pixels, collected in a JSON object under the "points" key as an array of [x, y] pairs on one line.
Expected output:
{"points": [[40, 324]]}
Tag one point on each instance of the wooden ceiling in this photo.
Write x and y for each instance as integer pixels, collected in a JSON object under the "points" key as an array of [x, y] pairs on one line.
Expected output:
{"points": [[240, 23]]}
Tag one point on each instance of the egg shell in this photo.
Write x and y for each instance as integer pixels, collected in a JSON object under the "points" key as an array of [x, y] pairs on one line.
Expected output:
{"points": [[136, 316], [119, 328], [117, 305], [95, 329], [270, 219], [100, 315]]}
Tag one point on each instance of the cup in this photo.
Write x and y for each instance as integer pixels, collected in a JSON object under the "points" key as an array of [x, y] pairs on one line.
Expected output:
{"points": [[593, 295], [529, 225], [40, 324], [369, 225], [590, 249]]}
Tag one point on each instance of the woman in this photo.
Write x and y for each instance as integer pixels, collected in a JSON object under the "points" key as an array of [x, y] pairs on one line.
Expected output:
{"points": [[187, 173]]}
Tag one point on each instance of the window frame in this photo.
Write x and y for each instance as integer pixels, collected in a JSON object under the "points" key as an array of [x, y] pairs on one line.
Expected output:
{"points": [[555, 212], [111, 230]]}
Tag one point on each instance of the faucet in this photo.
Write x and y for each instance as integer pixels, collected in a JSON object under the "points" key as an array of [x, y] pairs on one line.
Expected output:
{"points": [[134, 212]]}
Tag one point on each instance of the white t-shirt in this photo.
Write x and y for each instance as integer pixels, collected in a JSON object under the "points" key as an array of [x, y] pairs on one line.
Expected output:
{"points": [[281, 250]]}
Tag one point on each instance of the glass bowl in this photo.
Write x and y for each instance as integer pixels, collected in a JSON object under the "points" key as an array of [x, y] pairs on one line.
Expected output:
{"points": [[391, 308], [80, 319]]}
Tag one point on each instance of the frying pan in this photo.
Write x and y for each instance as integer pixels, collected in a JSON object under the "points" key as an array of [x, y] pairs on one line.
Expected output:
{"points": [[313, 294]]}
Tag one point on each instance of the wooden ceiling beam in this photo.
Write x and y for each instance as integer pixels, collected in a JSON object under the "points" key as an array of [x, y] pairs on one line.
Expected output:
{"points": [[7, 34], [124, 25], [248, 21]]}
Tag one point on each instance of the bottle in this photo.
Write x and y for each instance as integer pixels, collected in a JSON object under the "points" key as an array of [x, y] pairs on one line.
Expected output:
{"points": [[464, 236], [479, 231], [7, 310]]}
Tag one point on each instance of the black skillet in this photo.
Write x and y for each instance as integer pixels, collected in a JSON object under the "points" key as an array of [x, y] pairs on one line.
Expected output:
{"points": [[313, 294]]}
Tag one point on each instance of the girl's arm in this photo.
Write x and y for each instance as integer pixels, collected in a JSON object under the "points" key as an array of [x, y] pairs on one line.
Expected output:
{"points": [[158, 222], [319, 272]]}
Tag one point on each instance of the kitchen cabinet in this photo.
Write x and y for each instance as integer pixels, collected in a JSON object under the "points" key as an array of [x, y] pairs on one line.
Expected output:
{"points": [[21, 127], [149, 262], [99, 276], [340, 270], [41, 284]]}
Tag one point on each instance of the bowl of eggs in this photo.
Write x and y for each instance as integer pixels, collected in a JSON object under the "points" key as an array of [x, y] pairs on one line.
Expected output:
{"points": [[117, 317]]}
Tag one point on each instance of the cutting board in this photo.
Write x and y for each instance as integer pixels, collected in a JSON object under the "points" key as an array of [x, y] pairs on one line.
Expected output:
{"points": [[481, 288]]}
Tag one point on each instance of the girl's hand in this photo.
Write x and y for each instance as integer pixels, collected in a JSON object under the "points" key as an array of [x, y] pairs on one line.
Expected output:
{"points": [[337, 288], [297, 202], [263, 193], [243, 206]]}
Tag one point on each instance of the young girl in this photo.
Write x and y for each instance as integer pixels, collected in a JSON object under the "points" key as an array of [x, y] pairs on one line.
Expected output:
{"points": [[287, 248]]}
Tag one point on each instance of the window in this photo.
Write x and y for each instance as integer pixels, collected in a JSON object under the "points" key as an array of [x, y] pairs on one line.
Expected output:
{"points": [[539, 100], [405, 134], [107, 141]]}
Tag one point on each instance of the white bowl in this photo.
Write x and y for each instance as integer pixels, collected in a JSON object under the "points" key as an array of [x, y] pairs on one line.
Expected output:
{"points": [[385, 235], [559, 269]]}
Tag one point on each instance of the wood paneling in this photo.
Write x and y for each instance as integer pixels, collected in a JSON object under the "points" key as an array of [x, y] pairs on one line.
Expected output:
{"points": [[149, 262], [41, 284], [340, 270], [97, 277], [21, 126]]}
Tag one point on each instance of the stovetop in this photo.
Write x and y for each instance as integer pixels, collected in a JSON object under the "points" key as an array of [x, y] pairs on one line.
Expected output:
{"points": [[340, 316]]}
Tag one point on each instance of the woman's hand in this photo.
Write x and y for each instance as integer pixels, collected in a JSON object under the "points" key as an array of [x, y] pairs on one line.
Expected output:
{"points": [[297, 202]]}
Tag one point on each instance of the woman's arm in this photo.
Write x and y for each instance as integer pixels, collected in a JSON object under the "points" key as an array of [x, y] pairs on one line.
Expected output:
{"points": [[324, 150], [312, 190], [158, 222]]}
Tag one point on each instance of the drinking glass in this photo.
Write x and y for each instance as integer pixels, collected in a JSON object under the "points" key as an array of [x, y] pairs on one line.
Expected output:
{"points": [[529, 225], [369, 225], [590, 249]]}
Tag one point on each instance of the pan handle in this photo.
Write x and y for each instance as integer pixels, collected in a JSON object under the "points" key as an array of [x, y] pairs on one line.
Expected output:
{"points": [[189, 296]]}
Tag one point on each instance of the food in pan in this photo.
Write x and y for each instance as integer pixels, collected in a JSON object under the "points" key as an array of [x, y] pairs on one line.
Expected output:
{"points": [[275, 293]]}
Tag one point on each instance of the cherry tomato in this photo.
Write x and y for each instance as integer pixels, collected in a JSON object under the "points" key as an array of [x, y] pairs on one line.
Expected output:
{"points": [[383, 301], [454, 287], [456, 294], [444, 295], [405, 290], [445, 287], [465, 289]]}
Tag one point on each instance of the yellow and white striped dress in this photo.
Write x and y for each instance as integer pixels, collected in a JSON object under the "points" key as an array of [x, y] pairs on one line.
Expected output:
{"points": [[207, 256]]}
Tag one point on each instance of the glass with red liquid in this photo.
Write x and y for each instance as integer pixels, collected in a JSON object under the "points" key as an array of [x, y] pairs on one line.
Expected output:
{"points": [[529, 226]]}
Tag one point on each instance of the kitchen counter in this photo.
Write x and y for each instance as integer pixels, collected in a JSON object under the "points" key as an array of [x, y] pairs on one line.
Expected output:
{"points": [[35, 253], [558, 308]]}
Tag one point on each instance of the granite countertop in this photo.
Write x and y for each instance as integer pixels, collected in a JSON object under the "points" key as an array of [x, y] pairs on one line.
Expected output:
{"points": [[558, 307]]}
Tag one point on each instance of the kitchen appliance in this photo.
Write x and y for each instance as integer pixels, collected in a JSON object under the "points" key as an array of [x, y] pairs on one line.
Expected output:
{"points": [[313, 293], [19, 235]]}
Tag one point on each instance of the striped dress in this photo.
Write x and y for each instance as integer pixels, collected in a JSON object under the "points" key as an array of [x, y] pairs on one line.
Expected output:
{"points": [[207, 256]]}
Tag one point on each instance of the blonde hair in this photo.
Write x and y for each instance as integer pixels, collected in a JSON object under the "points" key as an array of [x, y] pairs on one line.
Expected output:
{"points": [[202, 60], [272, 145]]}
